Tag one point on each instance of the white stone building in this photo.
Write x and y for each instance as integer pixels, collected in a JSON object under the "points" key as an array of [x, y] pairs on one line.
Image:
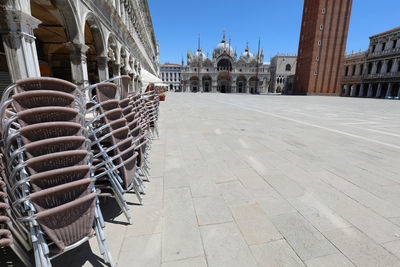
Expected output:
{"points": [[171, 75], [225, 72], [282, 66], [83, 41]]}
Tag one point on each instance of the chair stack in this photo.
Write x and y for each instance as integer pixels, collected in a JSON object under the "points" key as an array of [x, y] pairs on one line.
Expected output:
{"points": [[48, 172], [112, 145], [8, 225]]}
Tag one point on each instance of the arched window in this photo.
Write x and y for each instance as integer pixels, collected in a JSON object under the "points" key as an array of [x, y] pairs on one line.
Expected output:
{"points": [[369, 68], [288, 67]]}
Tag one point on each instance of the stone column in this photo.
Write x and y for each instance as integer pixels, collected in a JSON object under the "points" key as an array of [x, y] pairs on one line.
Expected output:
{"points": [[361, 93], [116, 68], [374, 66], [384, 66], [78, 65], [353, 90], [346, 89], [389, 91], [369, 94], [16, 27], [365, 69], [247, 91], [102, 68], [396, 63], [378, 92], [214, 85], [233, 87]]}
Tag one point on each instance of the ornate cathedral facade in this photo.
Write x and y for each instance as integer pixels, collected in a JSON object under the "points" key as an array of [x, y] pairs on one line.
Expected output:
{"points": [[225, 72]]}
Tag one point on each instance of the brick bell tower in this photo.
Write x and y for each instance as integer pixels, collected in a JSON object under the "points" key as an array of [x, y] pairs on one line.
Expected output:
{"points": [[322, 46]]}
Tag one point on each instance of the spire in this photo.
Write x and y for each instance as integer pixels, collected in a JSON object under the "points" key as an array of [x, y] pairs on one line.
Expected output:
{"points": [[223, 36], [235, 53], [247, 46], [183, 61]]}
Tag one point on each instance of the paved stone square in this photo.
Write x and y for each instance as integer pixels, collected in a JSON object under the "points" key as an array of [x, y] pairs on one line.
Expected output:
{"points": [[246, 180]]}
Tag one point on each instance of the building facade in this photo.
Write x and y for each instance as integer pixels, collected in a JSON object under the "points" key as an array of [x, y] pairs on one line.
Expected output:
{"points": [[375, 72], [281, 67], [322, 46], [225, 72], [84, 42], [171, 75]]}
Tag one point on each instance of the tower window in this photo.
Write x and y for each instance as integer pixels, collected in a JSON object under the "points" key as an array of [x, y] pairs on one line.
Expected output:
{"points": [[319, 43], [323, 11], [321, 27], [317, 58], [315, 73]]}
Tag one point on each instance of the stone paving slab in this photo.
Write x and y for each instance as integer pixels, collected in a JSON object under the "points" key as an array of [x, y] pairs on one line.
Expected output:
{"points": [[245, 180]]}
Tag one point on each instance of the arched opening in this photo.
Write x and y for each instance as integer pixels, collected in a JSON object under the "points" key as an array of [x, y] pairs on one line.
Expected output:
{"points": [[194, 84], [171, 87], [384, 89], [254, 85], [5, 78], [94, 40], [223, 64], [369, 67], [206, 83], [51, 39], [389, 66], [288, 67], [224, 83], [241, 84]]}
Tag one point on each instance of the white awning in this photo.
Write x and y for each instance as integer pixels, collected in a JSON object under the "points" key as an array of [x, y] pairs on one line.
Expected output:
{"points": [[148, 78], [161, 84]]}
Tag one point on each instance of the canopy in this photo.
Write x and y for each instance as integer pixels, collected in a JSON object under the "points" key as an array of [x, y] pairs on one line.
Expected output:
{"points": [[161, 84], [148, 78]]}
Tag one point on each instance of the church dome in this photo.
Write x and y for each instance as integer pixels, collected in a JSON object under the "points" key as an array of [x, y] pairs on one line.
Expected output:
{"points": [[223, 47], [247, 55], [197, 54]]}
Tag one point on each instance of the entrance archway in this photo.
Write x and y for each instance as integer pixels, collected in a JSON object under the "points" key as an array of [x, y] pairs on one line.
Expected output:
{"points": [[95, 41], [241, 84], [224, 83], [254, 84], [206, 83], [194, 84]]}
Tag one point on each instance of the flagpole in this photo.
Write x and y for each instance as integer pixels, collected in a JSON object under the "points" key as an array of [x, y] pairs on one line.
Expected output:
{"points": [[258, 56], [229, 58], [198, 63]]}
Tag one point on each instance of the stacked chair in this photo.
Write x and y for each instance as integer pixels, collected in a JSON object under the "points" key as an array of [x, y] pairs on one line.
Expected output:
{"points": [[115, 156], [48, 171], [60, 153]]}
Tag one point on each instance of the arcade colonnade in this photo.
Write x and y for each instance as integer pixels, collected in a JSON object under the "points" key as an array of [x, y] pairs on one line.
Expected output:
{"points": [[225, 83], [80, 41]]}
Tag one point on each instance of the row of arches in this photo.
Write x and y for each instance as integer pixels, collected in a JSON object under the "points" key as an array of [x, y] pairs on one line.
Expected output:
{"points": [[70, 43], [390, 90], [223, 84]]}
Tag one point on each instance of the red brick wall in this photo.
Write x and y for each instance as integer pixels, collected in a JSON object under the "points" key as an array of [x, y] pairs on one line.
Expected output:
{"points": [[331, 52]]}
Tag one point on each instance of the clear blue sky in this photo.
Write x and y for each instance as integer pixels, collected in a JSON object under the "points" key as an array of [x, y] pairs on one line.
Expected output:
{"points": [[177, 24]]}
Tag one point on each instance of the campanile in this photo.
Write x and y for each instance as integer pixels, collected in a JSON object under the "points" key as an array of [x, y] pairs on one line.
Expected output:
{"points": [[322, 46]]}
